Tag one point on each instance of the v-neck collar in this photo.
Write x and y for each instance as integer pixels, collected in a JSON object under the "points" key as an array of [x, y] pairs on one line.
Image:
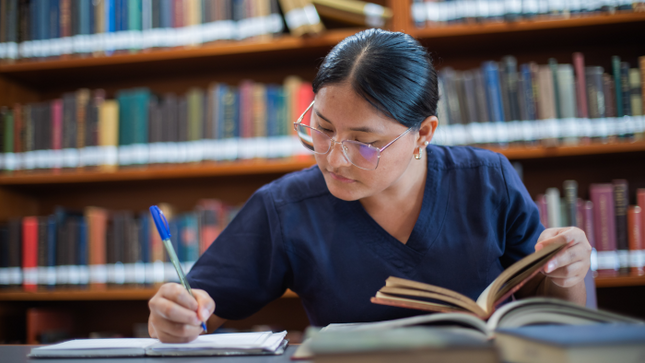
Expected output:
{"points": [[426, 228]]}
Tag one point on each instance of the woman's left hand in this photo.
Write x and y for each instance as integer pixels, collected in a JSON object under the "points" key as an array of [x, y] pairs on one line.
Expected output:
{"points": [[570, 265]]}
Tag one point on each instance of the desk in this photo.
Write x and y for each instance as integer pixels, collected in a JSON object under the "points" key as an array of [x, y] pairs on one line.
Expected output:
{"points": [[18, 354]]}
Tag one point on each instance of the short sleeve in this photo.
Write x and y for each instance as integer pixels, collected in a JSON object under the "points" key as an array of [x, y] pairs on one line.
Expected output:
{"points": [[245, 268], [523, 227]]}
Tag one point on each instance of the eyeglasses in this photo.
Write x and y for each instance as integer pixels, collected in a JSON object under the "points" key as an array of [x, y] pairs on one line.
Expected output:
{"points": [[361, 155]]}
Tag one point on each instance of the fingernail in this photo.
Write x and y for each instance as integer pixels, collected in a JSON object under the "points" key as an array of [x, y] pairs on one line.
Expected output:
{"points": [[204, 313], [550, 267]]}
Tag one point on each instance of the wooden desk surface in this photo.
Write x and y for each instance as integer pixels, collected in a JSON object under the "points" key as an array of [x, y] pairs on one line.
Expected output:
{"points": [[18, 354]]}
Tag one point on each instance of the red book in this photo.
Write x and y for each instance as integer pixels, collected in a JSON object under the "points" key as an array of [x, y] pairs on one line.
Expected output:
{"points": [[304, 98], [178, 14], [602, 196], [30, 253], [635, 239]]}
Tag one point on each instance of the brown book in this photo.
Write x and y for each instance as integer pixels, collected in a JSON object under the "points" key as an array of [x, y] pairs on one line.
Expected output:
{"points": [[354, 12], [621, 202], [595, 92], [581, 94], [97, 219], [546, 110], [415, 295], [635, 238], [608, 89], [82, 99]]}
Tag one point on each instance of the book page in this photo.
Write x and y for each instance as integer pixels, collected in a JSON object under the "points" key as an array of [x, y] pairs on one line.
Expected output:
{"points": [[399, 282], [106, 343], [222, 341], [531, 262], [385, 299], [468, 305]]}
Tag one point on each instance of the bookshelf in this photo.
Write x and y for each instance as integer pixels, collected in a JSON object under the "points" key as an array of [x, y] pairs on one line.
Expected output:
{"points": [[271, 60]]}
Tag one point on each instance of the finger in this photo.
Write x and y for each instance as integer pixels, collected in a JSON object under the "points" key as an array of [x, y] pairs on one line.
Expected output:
{"points": [[573, 253], [574, 269], [549, 233], [567, 282], [177, 330], [556, 239], [151, 328], [170, 310], [178, 294], [206, 304]]}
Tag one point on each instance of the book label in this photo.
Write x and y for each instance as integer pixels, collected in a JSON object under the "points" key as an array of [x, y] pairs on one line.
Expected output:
{"points": [[139, 273], [51, 275], [637, 258], [62, 275], [4, 276], [83, 274], [170, 274], [607, 260], [15, 275], [158, 271], [128, 269], [119, 273], [98, 274], [623, 258], [30, 275], [74, 275]]}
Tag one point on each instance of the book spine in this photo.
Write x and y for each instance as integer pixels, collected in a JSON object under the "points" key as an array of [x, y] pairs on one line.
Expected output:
{"points": [[635, 237], [621, 203], [543, 210], [605, 228], [554, 209], [570, 188], [581, 88], [588, 228], [30, 253], [615, 66]]}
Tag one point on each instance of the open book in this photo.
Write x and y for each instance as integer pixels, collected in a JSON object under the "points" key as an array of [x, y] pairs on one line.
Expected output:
{"points": [[205, 345], [411, 294], [525, 312]]}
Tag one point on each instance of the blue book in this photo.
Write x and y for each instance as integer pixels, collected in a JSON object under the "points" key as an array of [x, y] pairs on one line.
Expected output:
{"points": [[271, 99], [84, 17], [51, 242], [140, 115], [110, 25], [493, 91], [220, 94], [82, 251], [33, 23], [166, 14], [573, 343], [527, 92], [43, 19], [284, 125], [54, 20]]}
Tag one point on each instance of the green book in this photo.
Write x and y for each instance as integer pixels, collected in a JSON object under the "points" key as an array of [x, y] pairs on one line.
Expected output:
{"points": [[553, 64], [125, 136], [195, 98]]}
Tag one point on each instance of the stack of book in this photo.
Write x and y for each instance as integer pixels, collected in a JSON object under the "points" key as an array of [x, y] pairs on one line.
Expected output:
{"points": [[98, 248], [503, 102], [33, 29], [615, 229], [85, 129], [441, 12]]}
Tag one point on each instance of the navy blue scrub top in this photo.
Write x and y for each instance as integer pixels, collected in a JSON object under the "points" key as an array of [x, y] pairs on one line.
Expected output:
{"points": [[476, 219]]}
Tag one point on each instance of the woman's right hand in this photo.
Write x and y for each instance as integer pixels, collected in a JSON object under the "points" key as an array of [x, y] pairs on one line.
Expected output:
{"points": [[175, 316]]}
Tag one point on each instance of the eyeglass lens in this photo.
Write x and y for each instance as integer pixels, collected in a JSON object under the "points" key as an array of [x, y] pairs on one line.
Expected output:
{"points": [[361, 155]]}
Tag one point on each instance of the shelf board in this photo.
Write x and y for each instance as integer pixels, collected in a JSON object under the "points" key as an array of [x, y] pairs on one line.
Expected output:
{"points": [[215, 49], [620, 281], [545, 23], [528, 152], [90, 295], [278, 166], [173, 171]]}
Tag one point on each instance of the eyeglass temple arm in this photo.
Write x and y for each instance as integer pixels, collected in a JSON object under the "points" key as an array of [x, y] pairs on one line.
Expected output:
{"points": [[304, 113], [392, 142]]}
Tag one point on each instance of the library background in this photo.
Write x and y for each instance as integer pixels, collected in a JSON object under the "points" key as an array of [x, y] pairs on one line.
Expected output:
{"points": [[110, 106]]}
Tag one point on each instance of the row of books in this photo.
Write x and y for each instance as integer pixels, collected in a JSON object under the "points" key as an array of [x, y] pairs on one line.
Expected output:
{"points": [[533, 102], [436, 12], [615, 227], [84, 129], [48, 28], [99, 247]]}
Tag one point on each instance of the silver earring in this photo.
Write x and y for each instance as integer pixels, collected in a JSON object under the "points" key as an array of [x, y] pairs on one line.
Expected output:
{"points": [[418, 154]]}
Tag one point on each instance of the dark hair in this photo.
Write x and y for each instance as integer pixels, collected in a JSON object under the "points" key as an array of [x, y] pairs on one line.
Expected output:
{"points": [[392, 71]]}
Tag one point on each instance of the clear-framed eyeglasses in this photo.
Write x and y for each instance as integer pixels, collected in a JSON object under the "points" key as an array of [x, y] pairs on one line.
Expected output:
{"points": [[361, 155]]}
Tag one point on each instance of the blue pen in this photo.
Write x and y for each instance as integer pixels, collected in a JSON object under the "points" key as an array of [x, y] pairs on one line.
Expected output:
{"points": [[164, 232]]}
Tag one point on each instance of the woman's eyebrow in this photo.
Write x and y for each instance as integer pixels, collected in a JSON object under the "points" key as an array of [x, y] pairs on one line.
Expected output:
{"points": [[357, 129]]}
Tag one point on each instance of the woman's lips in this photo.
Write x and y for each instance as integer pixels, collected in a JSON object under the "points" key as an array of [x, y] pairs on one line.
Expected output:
{"points": [[341, 178]]}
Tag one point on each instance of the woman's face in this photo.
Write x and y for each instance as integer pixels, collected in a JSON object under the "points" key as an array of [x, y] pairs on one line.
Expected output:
{"points": [[344, 115]]}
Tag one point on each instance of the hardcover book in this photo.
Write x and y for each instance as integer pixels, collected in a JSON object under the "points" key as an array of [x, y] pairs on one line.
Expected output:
{"points": [[417, 295]]}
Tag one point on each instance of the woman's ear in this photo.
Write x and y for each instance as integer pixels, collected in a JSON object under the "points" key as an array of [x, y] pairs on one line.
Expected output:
{"points": [[427, 129]]}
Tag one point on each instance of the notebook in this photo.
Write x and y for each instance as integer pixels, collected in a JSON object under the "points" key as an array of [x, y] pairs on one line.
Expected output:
{"points": [[257, 343]]}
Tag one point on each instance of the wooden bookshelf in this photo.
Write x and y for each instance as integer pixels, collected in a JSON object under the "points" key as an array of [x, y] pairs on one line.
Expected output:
{"points": [[536, 25], [620, 281], [64, 294], [460, 46]]}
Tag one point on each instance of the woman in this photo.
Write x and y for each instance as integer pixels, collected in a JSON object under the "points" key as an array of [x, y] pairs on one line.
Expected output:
{"points": [[380, 202]]}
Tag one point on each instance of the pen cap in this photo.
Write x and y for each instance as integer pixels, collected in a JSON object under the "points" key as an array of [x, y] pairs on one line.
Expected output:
{"points": [[160, 222]]}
